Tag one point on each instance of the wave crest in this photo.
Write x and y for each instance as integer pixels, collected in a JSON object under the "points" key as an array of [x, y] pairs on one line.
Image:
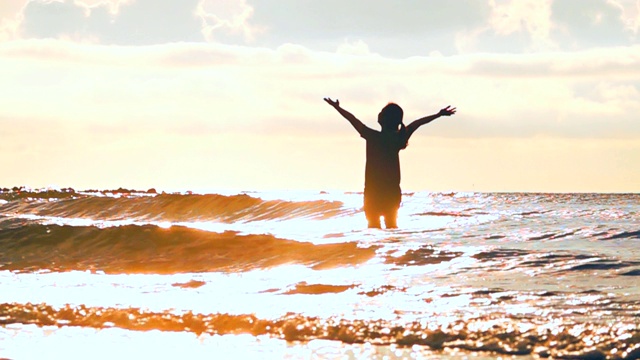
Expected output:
{"points": [[152, 249], [168, 207], [507, 336]]}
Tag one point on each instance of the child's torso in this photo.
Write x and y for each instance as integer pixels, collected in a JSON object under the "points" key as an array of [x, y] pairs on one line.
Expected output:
{"points": [[382, 171]]}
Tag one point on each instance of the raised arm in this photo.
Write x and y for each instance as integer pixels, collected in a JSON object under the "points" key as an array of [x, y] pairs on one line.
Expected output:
{"points": [[448, 111], [357, 124]]}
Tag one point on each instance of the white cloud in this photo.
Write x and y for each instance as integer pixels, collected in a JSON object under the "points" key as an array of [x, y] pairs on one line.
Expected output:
{"points": [[215, 88], [629, 13], [12, 13], [531, 16], [113, 5], [392, 30], [11, 16], [124, 22], [467, 41], [230, 16], [357, 47]]}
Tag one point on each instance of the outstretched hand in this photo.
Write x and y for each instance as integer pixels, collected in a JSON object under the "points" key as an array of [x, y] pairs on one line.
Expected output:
{"points": [[331, 102], [448, 111]]}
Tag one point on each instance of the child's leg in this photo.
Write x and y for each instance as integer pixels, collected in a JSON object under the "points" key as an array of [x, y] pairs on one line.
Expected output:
{"points": [[391, 219], [374, 220]]}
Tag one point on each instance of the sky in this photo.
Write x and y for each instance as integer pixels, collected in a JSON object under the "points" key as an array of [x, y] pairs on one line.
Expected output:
{"points": [[210, 95]]}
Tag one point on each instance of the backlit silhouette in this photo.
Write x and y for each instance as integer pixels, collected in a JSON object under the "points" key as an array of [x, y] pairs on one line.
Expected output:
{"points": [[382, 193]]}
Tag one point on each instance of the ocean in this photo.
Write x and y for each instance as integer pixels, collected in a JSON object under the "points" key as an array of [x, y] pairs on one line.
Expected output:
{"points": [[297, 275]]}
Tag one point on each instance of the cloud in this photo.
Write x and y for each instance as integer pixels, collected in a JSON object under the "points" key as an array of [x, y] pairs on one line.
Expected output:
{"points": [[516, 26], [615, 63], [228, 17], [629, 13], [357, 47], [219, 88], [581, 24], [11, 16], [510, 26], [127, 22], [530, 16], [393, 29], [112, 5]]}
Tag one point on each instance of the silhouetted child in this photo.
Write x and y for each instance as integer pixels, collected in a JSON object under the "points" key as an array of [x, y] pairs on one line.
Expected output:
{"points": [[382, 172]]}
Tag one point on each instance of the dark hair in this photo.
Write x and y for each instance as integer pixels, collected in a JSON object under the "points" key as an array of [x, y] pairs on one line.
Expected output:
{"points": [[392, 118]]}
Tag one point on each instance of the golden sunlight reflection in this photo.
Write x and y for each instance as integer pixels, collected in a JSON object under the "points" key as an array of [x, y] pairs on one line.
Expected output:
{"points": [[303, 277], [114, 343]]}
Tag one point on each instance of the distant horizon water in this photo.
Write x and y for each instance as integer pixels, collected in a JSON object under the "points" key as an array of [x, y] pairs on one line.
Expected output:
{"points": [[228, 190]]}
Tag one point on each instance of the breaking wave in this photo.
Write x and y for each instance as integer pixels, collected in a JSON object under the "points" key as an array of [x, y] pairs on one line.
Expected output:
{"points": [[162, 207], [153, 249], [490, 333]]}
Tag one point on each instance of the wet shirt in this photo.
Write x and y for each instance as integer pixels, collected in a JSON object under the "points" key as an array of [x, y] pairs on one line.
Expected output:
{"points": [[382, 171]]}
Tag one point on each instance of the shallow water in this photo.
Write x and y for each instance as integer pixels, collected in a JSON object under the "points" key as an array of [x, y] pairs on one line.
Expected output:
{"points": [[297, 274]]}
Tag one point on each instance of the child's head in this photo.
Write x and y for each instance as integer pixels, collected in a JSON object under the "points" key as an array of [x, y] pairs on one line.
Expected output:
{"points": [[390, 117]]}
